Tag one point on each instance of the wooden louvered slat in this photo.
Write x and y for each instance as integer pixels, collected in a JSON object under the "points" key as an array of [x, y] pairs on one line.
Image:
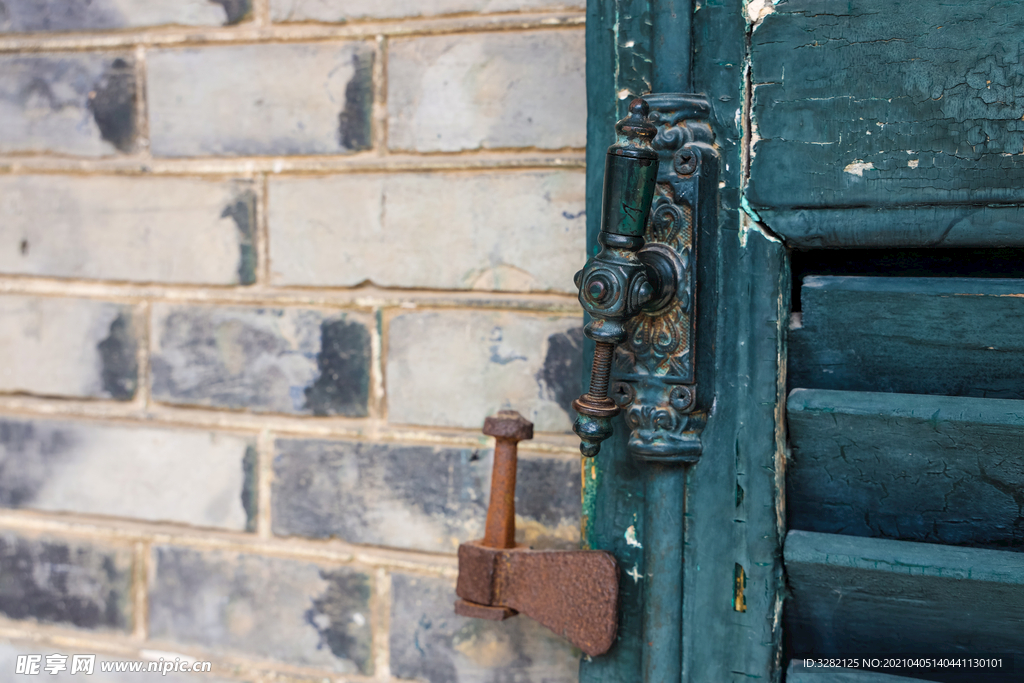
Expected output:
{"points": [[850, 595], [936, 469], [948, 336]]}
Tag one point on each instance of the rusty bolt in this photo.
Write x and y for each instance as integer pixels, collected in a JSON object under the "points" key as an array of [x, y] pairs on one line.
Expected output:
{"points": [[508, 428], [508, 424]]}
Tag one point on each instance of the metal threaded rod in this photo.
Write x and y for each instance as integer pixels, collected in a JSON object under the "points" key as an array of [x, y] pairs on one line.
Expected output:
{"points": [[601, 371]]}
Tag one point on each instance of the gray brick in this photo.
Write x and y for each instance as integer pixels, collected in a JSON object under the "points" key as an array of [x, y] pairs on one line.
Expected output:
{"points": [[417, 497], [172, 230], [454, 368], [261, 99], [67, 347], [295, 361], [200, 478], [24, 16], [355, 10], [430, 643], [67, 104], [291, 611], [493, 90], [519, 231], [60, 581], [10, 651]]}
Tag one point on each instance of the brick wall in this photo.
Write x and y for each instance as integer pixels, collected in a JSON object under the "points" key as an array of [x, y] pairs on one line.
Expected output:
{"points": [[265, 266]]}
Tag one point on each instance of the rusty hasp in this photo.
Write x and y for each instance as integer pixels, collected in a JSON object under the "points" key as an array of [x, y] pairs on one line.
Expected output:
{"points": [[575, 593]]}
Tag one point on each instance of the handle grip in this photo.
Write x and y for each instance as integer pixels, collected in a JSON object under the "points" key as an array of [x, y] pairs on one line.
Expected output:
{"points": [[615, 285]]}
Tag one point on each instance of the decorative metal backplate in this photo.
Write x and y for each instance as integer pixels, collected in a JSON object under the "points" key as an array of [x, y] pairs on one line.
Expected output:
{"points": [[658, 369]]}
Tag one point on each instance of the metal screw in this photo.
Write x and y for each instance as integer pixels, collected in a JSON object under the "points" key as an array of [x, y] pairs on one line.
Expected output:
{"points": [[623, 393], [601, 371], [681, 398], [685, 162]]}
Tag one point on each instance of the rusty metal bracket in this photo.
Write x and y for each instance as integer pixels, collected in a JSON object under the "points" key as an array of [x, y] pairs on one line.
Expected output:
{"points": [[575, 593]]}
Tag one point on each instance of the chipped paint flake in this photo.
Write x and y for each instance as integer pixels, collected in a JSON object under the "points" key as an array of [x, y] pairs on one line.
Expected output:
{"points": [[631, 537], [751, 222], [913, 163], [635, 574], [858, 167], [757, 10]]}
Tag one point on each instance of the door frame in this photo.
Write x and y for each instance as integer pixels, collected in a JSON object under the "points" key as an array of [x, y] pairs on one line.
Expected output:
{"points": [[732, 501]]}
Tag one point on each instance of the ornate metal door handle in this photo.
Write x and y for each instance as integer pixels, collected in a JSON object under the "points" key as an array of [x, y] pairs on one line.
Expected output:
{"points": [[659, 214]]}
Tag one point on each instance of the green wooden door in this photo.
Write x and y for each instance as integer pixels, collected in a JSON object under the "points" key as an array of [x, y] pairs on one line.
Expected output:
{"points": [[861, 488]]}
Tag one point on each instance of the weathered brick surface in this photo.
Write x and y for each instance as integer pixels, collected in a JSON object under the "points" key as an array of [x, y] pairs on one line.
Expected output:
{"points": [[10, 651], [175, 230], [418, 497], [22, 16], [266, 607], [350, 10], [456, 92], [519, 231], [430, 643], [74, 103], [454, 368], [199, 478], [296, 361], [67, 347], [261, 99], [126, 177], [61, 581]]}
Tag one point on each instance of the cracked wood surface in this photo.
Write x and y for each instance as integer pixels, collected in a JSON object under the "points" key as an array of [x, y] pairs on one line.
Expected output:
{"points": [[881, 597], [936, 469], [948, 336], [874, 103], [955, 225]]}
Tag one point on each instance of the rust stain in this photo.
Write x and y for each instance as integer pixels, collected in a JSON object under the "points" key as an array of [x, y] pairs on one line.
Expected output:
{"points": [[739, 602]]}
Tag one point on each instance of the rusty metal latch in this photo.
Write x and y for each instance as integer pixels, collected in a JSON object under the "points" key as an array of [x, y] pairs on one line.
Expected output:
{"points": [[658, 230], [575, 593]]}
